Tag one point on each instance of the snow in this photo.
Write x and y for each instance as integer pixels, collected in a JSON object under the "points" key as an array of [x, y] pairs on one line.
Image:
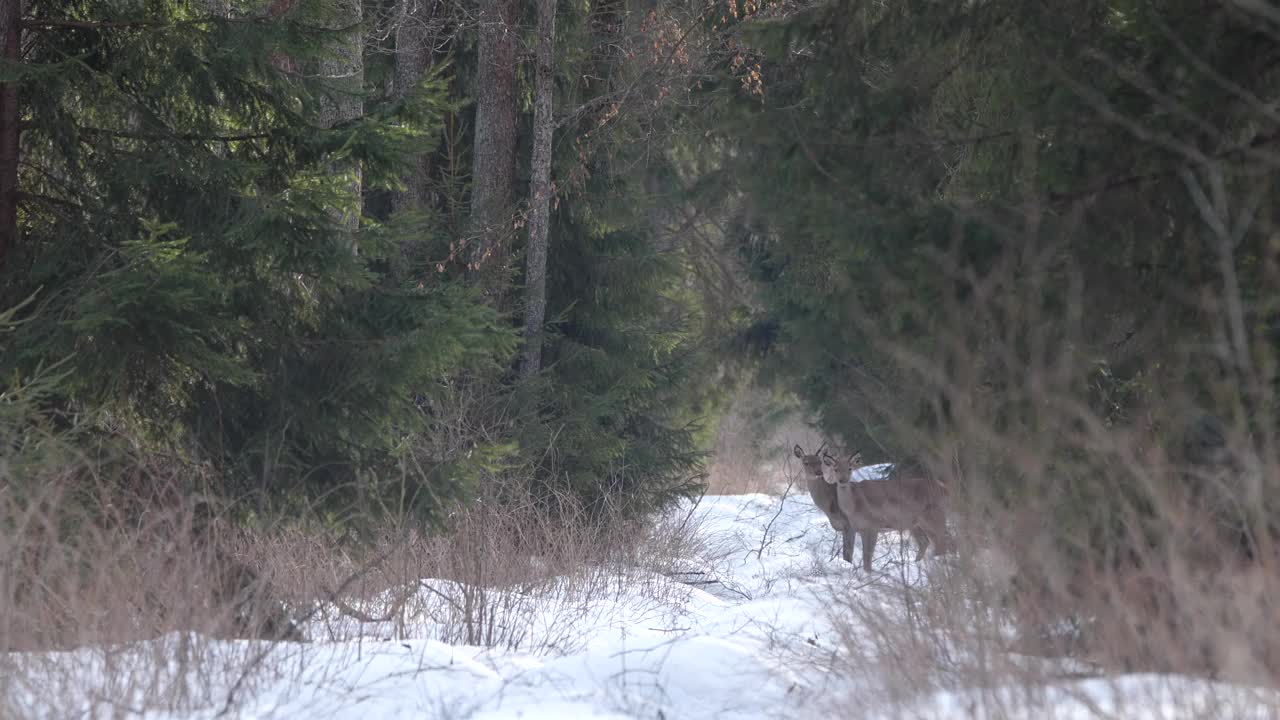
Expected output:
{"points": [[1131, 696], [871, 472], [744, 630]]}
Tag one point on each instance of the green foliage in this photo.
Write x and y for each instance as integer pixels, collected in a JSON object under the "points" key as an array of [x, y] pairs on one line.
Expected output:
{"points": [[948, 206], [621, 365], [181, 237], [32, 442], [625, 408], [625, 400]]}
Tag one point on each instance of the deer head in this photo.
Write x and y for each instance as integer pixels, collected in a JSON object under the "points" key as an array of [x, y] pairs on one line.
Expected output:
{"points": [[812, 463], [842, 469]]}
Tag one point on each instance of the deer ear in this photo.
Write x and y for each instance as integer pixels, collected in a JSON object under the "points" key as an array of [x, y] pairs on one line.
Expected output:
{"points": [[855, 459], [799, 453], [828, 460]]}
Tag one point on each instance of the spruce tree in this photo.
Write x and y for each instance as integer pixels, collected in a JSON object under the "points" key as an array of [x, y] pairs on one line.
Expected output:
{"points": [[178, 230], [627, 392], [947, 206]]}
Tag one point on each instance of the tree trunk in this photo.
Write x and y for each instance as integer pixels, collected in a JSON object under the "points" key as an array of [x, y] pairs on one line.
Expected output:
{"points": [[345, 73], [417, 32], [540, 190], [10, 36], [493, 168]]}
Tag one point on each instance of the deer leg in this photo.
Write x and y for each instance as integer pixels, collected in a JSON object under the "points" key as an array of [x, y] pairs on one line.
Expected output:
{"points": [[846, 545], [868, 547]]}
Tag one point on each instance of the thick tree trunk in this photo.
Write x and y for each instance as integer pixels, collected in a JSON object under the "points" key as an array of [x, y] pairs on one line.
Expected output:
{"points": [[540, 190], [417, 32], [10, 36], [345, 73], [493, 168]]}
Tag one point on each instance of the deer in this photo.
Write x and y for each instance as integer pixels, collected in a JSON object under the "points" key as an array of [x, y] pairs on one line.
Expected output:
{"points": [[823, 492], [905, 501]]}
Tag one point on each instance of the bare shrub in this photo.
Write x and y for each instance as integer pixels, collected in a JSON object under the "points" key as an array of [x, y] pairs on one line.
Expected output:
{"points": [[736, 474], [111, 601], [1096, 543], [950, 640], [1114, 474], [124, 608], [123, 570], [756, 430], [500, 575]]}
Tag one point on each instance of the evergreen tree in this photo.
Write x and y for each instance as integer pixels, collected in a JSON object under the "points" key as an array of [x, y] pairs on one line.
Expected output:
{"points": [[178, 230], [947, 206], [627, 395]]}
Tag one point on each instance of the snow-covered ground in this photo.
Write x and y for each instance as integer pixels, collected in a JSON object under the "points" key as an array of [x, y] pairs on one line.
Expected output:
{"points": [[743, 631], [868, 473]]}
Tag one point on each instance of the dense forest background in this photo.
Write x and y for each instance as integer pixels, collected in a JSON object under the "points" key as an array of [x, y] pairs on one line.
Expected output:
{"points": [[342, 260], [290, 248]]}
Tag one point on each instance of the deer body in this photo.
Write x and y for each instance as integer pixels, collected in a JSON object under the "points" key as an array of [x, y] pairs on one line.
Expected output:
{"points": [[824, 493], [906, 502]]}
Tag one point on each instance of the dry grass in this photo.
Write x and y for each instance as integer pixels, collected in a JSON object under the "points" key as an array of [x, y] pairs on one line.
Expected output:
{"points": [[747, 447], [499, 576], [737, 475], [957, 633], [109, 607], [1113, 476], [121, 609], [1130, 560]]}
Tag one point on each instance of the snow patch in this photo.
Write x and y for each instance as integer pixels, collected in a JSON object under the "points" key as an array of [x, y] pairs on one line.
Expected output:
{"points": [[867, 473], [736, 633]]}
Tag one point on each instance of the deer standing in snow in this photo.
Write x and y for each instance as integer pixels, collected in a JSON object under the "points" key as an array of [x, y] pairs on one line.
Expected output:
{"points": [[823, 492], [903, 501]]}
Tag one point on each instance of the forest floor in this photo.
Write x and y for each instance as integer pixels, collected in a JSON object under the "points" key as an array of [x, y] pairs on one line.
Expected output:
{"points": [[745, 630]]}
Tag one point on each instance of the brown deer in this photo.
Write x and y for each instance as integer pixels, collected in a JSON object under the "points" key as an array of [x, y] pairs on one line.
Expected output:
{"points": [[823, 492], [904, 501]]}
